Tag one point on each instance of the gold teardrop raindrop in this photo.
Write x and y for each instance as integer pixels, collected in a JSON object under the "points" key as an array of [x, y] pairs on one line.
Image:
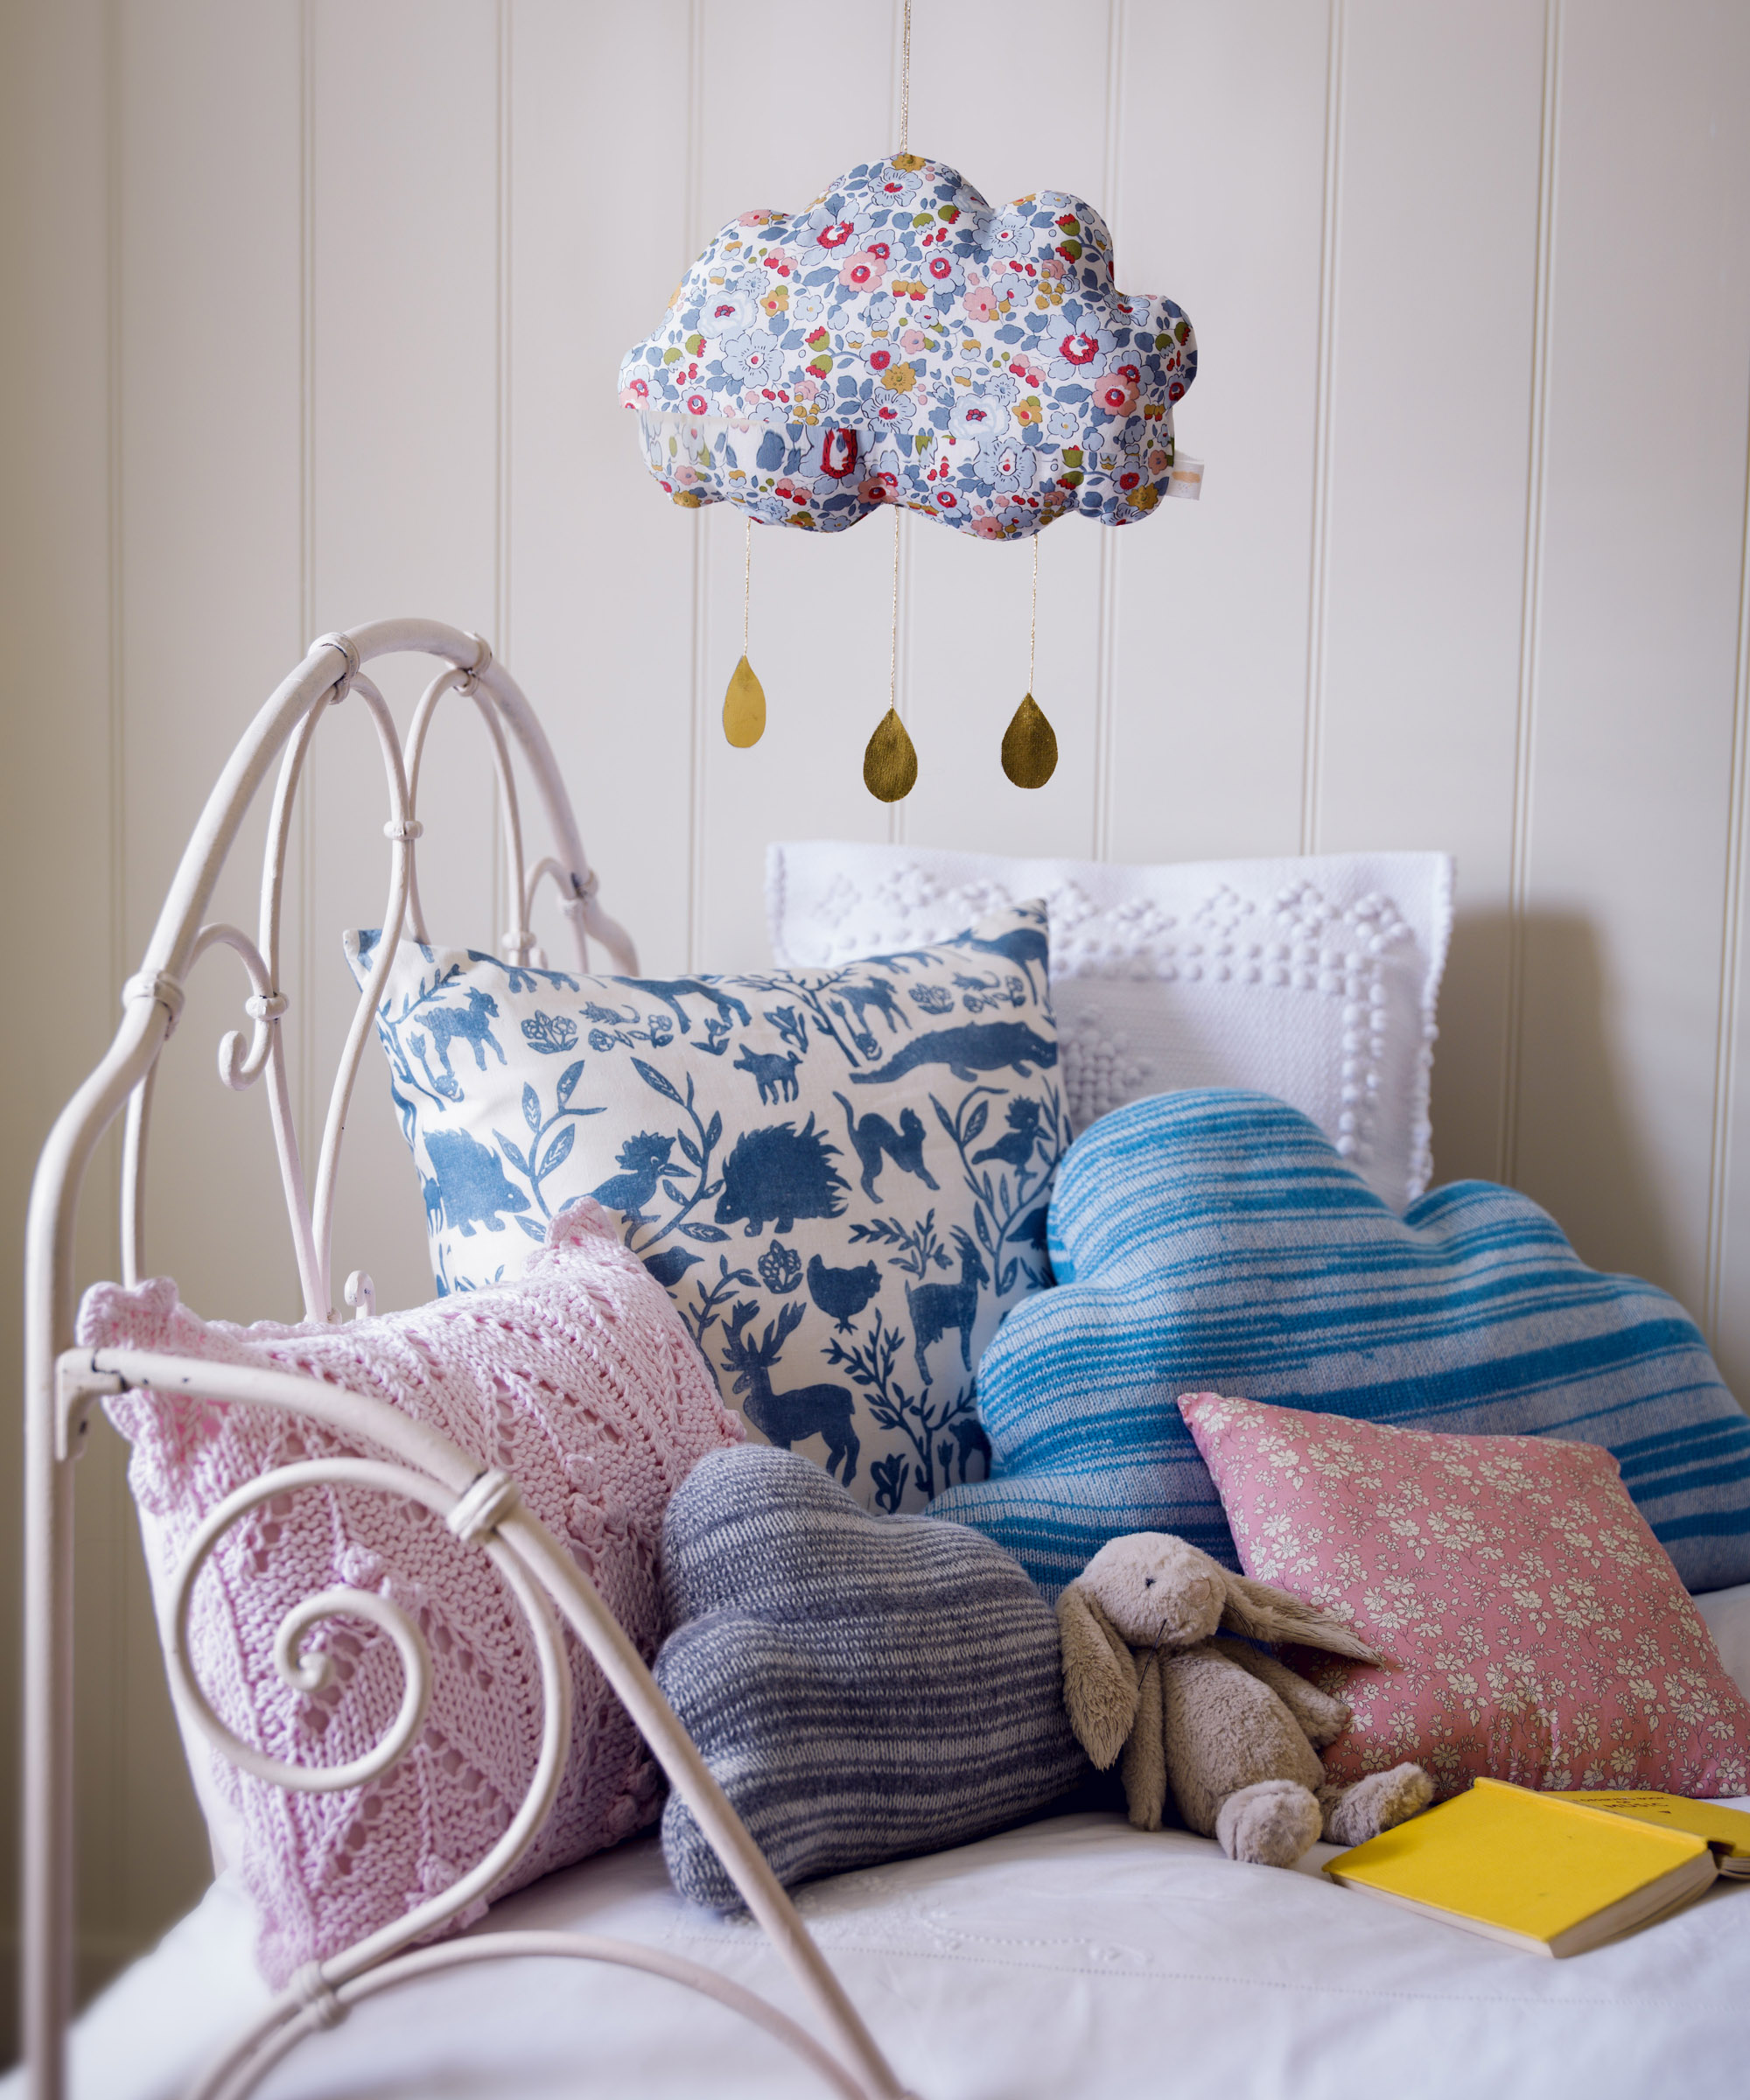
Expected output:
{"points": [[1030, 742], [744, 707], [1029, 746], [890, 758], [744, 704]]}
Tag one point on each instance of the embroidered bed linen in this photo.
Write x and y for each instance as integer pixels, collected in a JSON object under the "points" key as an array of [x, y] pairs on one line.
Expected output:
{"points": [[1314, 979], [1045, 1964], [1214, 1240], [580, 1383], [839, 1175]]}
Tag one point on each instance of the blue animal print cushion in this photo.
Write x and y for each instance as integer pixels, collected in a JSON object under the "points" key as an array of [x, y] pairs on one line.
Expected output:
{"points": [[841, 1176]]}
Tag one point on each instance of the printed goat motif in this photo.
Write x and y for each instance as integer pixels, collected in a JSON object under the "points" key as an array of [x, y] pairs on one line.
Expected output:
{"points": [[938, 1309]]}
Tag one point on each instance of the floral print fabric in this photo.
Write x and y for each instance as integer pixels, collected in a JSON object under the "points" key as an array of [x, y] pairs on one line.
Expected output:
{"points": [[1534, 1628], [898, 340], [840, 1176]]}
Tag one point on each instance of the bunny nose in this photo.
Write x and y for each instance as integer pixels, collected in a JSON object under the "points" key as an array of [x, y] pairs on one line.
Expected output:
{"points": [[1148, 1582]]}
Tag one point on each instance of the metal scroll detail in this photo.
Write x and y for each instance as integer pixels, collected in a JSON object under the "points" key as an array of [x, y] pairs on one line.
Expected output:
{"points": [[310, 1215], [483, 1510], [63, 1382]]}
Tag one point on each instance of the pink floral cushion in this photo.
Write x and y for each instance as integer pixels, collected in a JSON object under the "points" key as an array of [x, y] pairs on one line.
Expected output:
{"points": [[1535, 1630], [579, 1381]]}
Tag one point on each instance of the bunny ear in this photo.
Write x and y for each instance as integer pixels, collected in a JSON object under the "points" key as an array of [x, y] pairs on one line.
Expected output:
{"points": [[1100, 1683], [1264, 1614]]}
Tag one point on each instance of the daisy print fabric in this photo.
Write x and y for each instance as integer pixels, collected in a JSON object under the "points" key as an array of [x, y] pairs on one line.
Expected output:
{"points": [[1533, 1628], [899, 341]]}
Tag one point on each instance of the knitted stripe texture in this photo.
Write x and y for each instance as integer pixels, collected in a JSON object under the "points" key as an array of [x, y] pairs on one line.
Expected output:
{"points": [[864, 1687], [579, 1381], [1214, 1240]]}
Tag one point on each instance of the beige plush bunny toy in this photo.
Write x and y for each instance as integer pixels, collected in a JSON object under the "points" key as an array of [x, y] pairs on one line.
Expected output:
{"points": [[1236, 1734]]}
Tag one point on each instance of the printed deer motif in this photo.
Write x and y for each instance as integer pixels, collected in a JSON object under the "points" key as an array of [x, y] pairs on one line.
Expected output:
{"points": [[672, 991], [880, 997], [472, 1023], [791, 1417], [937, 1309], [775, 1075]]}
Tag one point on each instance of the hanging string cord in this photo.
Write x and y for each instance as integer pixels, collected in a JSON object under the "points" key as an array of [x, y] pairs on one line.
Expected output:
{"points": [[1033, 621], [906, 83], [893, 654], [747, 584]]}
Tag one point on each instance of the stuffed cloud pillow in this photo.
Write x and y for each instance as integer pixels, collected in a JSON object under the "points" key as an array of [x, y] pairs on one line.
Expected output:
{"points": [[1215, 1241], [898, 340], [864, 1687], [1312, 979]]}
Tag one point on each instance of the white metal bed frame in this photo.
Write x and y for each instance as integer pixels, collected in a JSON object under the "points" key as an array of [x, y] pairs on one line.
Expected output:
{"points": [[482, 1508]]}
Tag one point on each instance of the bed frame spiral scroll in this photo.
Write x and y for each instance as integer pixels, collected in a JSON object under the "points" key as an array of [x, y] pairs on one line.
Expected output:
{"points": [[413, 1461]]}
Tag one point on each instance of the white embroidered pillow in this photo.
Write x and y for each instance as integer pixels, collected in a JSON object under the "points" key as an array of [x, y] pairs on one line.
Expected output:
{"points": [[1311, 979]]}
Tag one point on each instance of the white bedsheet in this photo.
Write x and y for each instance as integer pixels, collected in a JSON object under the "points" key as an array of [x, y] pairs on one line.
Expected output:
{"points": [[1073, 1958]]}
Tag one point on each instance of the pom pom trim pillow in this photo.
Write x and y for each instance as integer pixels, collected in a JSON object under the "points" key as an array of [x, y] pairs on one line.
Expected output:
{"points": [[840, 1176], [579, 1380], [1533, 1628], [1314, 979]]}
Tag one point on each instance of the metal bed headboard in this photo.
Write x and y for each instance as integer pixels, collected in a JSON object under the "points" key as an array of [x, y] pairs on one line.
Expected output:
{"points": [[63, 1384]]}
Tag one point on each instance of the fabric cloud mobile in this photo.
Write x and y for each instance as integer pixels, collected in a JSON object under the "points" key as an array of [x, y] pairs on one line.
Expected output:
{"points": [[899, 341]]}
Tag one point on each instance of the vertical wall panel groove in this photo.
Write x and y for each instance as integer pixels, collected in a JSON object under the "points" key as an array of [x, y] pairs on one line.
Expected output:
{"points": [[113, 348], [1312, 733], [1105, 668], [692, 239], [506, 911], [103, 1519], [1724, 1061], [1519, 875], [301, 947]]}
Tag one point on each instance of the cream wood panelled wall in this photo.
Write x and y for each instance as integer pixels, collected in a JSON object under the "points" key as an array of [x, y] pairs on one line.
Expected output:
{"points": [[313, 315]]}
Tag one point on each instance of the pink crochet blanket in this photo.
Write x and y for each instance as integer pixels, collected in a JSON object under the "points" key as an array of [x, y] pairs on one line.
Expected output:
{"points": [[580, 1382]]}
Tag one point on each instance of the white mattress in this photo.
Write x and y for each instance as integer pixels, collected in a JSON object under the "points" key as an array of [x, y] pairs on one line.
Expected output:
{"points": [[1075, 1957]]}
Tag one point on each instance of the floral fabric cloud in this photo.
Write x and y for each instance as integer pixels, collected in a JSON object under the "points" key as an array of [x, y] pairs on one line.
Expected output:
{"points": [[900, 341]]}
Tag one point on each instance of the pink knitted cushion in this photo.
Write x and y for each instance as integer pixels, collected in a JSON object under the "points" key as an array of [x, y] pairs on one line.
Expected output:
{"points": [[1534, 1628], [580, 1382]]}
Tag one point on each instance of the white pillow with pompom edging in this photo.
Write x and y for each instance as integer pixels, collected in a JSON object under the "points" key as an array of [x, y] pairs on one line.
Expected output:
{"points": [[1313, 978]]}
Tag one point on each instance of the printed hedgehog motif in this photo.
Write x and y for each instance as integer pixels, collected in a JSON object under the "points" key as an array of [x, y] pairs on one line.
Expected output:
{"points": [[779, 1174]]}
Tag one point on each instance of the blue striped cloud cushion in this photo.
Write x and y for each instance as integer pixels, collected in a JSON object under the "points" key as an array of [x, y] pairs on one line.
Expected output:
{"points": [[1213, 1241]]}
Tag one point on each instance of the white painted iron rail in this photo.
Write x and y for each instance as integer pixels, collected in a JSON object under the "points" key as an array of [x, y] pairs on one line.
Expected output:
{"points": [[482, 1508]]}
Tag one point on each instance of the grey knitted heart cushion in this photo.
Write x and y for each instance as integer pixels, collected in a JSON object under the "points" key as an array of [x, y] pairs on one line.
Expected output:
{"points": [[862, 1686]]}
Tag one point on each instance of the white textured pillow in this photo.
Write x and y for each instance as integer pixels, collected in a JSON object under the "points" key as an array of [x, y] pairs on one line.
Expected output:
{"points": [[1314, 979]]}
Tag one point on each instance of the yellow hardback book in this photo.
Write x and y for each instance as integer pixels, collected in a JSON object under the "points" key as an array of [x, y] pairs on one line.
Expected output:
{"points": [[1727, 1831], [1535, 1870]]}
